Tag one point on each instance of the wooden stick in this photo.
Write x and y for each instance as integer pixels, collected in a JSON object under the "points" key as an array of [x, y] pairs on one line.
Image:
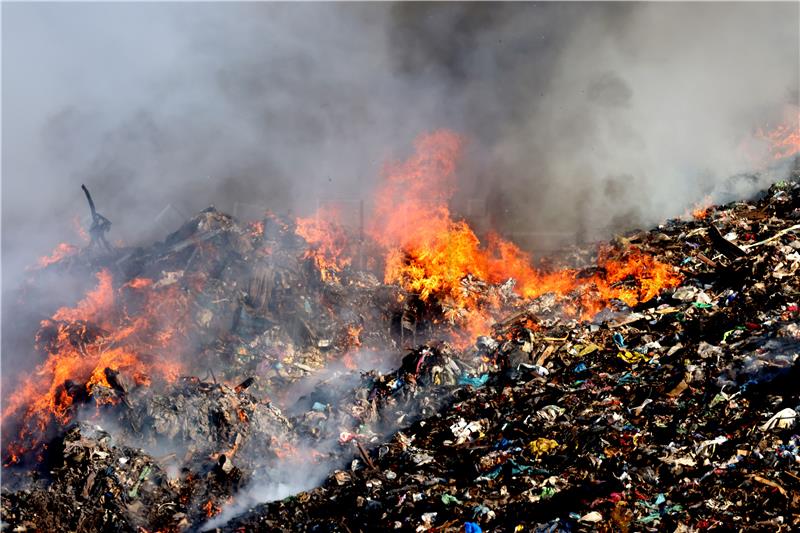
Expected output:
{"points": [[779, 234]]}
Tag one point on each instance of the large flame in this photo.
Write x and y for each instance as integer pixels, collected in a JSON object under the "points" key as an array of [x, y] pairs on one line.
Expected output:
{"points": [[101, 332], [430, 253], [138, 328]]}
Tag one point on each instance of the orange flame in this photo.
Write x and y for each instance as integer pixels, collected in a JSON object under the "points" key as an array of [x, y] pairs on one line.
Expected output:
{"points": [[701, 209], [327, 241], [81, 342], [354, 335], [285, 450], [783, 140], [61, 252], [426, 251], [79, 229], [633, 278], [255, 229], [139, 283], [64, 250], [352, 341], [210, 509], [430, 254]]}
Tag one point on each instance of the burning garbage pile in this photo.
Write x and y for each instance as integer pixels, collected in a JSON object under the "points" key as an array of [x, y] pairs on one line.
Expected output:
{"points": [[678, 413], [427, 378]]}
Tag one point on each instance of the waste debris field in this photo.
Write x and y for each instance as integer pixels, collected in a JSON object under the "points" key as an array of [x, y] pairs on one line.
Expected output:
{"points": [[678, 413], [295, 375]]}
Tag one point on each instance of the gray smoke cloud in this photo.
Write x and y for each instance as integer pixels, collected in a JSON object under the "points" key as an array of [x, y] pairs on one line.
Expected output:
{"points": [[598, 115], [647, 109]]}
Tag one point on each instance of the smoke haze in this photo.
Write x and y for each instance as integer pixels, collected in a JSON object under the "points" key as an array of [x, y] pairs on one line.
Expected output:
{"points": [[575, 114]]}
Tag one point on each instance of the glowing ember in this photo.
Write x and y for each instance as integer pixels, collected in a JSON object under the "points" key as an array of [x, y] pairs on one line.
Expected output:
{"points": [[327, 240], [256, 229], [352, 340], [210, 509], [354, 335], [285, 451]]}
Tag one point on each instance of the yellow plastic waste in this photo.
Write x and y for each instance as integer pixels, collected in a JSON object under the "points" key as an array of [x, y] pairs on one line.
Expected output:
{"points": [[633, 357], [587, 349], [542, 445]]}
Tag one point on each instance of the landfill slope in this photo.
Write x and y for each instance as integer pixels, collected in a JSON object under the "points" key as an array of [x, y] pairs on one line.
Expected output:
{"points": [[678, 415]]}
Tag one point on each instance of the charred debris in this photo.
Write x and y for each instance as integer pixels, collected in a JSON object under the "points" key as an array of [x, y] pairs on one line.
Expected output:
{"points": [[679, 413]]}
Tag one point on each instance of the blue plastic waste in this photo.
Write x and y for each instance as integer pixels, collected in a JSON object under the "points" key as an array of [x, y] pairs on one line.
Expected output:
{"points": [[619, 340], [475, 382], [472, 527]]}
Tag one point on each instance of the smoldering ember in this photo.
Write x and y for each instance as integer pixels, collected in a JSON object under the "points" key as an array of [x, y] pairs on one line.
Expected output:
{"points": [[401, 360]]}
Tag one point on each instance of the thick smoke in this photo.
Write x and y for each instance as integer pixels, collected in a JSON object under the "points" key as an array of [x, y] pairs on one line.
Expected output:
{"points": [[648, 109], [579, 118], [604, 116]]}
